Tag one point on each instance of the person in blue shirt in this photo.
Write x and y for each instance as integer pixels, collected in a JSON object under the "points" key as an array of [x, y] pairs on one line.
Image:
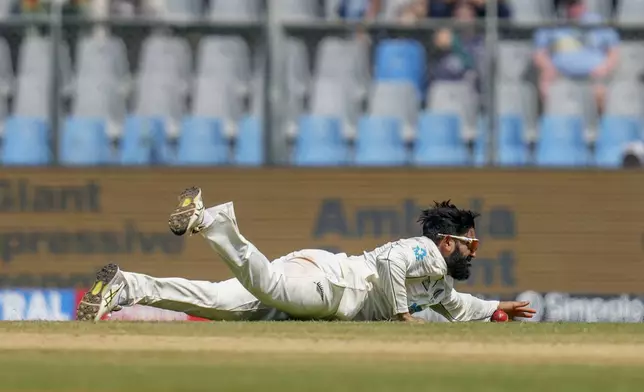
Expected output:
{"points": [[584, 52], [415, 10], [356, 10]]}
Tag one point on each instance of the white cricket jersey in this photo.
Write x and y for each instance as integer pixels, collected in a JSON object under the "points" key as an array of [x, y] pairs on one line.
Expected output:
{"points": [[410, 276]]}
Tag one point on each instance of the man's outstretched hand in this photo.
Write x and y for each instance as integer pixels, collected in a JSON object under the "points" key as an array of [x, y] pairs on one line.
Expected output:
{"points": [[406, 317], [517, 309]]}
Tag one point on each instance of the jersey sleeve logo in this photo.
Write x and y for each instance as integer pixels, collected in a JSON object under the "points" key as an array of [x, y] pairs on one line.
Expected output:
{"points": [[420, 253]]}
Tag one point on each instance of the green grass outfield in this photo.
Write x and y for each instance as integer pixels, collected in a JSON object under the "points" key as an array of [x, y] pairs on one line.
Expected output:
{"points": [[301, 356]]}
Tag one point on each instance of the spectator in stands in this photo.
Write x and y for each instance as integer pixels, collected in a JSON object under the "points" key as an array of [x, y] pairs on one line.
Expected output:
{"points": [[30, 7], [577, 53], [105, 8], [126, 7], [458, 54], [359, 9], [503, 10], [413, 10], [558, 4], [470, 35], [71, 7]]}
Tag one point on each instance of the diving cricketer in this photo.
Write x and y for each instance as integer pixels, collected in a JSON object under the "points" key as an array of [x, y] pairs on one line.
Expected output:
{"points": [[391, 282]]}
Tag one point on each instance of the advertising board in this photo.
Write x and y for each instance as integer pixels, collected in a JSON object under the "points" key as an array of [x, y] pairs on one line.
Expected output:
{"points": [[568, 231]]}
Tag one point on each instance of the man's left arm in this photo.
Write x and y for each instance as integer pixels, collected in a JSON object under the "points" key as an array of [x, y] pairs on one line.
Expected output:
{"points": [[465, 307]]}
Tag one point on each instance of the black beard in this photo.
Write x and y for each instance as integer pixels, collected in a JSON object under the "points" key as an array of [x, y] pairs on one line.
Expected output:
{"points": [[458, 265]]}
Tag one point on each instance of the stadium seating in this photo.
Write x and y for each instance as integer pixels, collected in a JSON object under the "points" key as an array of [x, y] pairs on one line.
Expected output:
{"points": [[144, 142], [396, 99], [5, 9], [331, 9], [249, 146], [438, 141], [176, 87], [530, 11], [615, 132], [102, 55], [216, 97], [240, 10], [166, 56], [298, 81], [600, 7], [298, 72], [514, 60], [379, 142], [518, 99], [344, 61], [160, 96], [512, 149], [33, 97], [320, 142], [452, 97], [6, 78], [202, 142], [26, 142], [6, 68], [561, 142], [224, 57], [571, 98], [181, 10], [35, 60], [401, 60], [333, 98], [98, 96], [84, 142], [631, 61], [630, 11], [298, 10], [625, 98]]}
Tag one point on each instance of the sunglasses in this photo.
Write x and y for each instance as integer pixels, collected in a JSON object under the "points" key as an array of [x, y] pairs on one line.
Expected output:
{"points": [[472, 243]]}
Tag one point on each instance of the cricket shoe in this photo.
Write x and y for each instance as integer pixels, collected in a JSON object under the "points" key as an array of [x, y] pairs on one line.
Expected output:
{"points": [[103, 297], [188, 216]]}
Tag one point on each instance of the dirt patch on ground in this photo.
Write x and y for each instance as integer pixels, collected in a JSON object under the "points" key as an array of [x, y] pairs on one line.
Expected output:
{"points": [[513, 352]]}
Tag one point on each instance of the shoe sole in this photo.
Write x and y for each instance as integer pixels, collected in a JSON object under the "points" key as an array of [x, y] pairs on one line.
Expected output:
{"points": [[91, 302], [180, 218]]}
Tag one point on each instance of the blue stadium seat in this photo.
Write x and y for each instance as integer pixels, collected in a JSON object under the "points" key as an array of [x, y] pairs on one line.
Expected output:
{"points": [[202, 143], [561, 142], [249, 149], [320, 142], [401, 59], [84, 142], [512, 149], [144, 142], [615, 132], [379, 142], [480, 143], [438, 142], [26, 142]]}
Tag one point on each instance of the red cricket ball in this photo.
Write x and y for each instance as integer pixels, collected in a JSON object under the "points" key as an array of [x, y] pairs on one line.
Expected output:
{"points": [[499, 316]]}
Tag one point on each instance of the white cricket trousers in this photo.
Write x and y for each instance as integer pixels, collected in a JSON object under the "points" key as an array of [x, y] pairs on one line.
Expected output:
{"points": [[301, 284]]}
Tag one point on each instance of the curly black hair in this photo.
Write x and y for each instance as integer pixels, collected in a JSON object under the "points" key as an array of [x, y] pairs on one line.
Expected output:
{"points": [[446, 218]]}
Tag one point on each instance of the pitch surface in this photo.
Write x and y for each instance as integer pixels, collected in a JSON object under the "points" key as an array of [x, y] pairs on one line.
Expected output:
{"points": [[295, 356]]}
